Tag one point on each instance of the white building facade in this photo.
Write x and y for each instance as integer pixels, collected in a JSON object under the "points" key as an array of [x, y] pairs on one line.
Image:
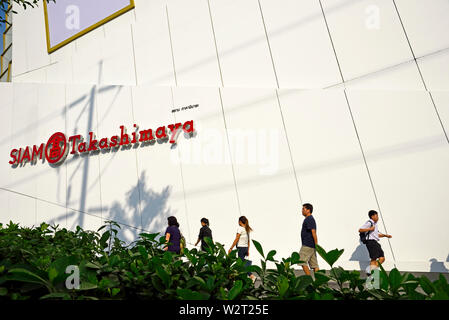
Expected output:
{"points": [[340, 103]]}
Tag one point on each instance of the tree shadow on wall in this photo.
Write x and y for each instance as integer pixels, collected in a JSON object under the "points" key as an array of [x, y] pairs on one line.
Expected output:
{"points": [[153, 213]]}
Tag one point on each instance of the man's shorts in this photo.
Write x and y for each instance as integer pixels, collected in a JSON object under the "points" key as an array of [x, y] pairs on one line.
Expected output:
{"points": [[308, 255], [374, 249]]}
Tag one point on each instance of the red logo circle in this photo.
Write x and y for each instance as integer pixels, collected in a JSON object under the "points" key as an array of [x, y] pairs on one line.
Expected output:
{"points": [[56, 148]]}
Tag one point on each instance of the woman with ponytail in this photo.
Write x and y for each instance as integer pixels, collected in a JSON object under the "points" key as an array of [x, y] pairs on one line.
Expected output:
{"points": [[205, 232], [241, 241]]}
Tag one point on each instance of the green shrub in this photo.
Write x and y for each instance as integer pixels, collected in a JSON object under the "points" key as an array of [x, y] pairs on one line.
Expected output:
{"points": [[34, 261]]}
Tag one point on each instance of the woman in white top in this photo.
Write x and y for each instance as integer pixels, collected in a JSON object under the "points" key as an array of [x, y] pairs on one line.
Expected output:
{"points": [[242, 241]]}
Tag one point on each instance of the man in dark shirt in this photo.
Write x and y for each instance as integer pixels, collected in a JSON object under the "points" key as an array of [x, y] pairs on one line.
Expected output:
{"points": [[205, 231], [309, 240]]}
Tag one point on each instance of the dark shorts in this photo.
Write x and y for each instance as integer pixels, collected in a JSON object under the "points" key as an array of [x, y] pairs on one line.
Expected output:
{"points": [[374, 249]]}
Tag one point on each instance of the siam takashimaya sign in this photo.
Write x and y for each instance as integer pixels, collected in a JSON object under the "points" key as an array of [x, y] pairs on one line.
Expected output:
{"points": [[57, 148]]}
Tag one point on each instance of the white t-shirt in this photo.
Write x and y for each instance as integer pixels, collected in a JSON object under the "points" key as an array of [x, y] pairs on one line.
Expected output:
{"points": [[243, 241]]}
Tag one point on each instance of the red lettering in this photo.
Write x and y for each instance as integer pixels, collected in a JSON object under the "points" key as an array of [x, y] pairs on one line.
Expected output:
{"points": [[114, 142], [161, 133], [26, 155], [14, 157], [146, 135], [82, 147], [174, 131], [74, 142], [124, 137], [92, 142], [37, 152], [190, 128], [104, 143], [134, 135]]}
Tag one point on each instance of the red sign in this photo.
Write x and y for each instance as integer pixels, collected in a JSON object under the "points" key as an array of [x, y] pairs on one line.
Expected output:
{"points": [[58, 146]]}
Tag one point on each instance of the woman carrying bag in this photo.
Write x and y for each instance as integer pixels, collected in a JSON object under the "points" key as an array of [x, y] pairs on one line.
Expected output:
{"points": [[242, 242]]}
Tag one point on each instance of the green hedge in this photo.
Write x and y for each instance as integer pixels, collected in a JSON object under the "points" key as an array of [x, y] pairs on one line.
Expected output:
{"points": [[34, 261]]}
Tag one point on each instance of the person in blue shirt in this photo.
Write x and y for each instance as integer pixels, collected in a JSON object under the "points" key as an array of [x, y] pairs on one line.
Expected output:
{"points": [[309, 240], [173, 235]]}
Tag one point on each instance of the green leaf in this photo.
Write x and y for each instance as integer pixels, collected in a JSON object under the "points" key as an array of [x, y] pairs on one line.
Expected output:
{"points": [[55, 296], [3, 291], [25, 275], [259, 248], [270, 255], [330, 257], [164, 276], [187, 294], [200, 281], [303, 282], [321, 279], [149, 236], [84, 285], [426, 285], [92, 265], [395, 279], [235, 290], [52, 274], [115, 291], [283, 286]]}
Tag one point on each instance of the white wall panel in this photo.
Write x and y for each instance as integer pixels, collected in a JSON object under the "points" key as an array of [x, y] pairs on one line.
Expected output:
{"points": [[36, 47], [330, 169], [193, 43], [60, 71], [24, 209], [266, 184], [119, 188], [207, 171], [402, 77], [84, 220], [19, 32], [88, 60], [407, 154], [118, 57], [441, 100], [24, 134], [152, 44], [435, 70], [52, 181], [300, 44], [160, 180], [83, 184], [51, 214], [367, 35], [6, 110], [35, 76], [242, 44], [6, 214], [425, 23]]}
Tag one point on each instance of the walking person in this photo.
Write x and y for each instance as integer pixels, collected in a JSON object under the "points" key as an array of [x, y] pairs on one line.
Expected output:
{"points": [[205, 231], [371, 240], [241, 241], [309, 240], [173, 235]]}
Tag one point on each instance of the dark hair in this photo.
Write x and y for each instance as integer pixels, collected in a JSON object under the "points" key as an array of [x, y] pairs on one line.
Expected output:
{"points": [[204, 220], [308, 206], [371, 213], [244, 220], [172, 221]]}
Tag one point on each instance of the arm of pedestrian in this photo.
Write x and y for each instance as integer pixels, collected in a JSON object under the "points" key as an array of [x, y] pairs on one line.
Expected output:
{"points": [[167, 238], [237, 238], [315, 238]]}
